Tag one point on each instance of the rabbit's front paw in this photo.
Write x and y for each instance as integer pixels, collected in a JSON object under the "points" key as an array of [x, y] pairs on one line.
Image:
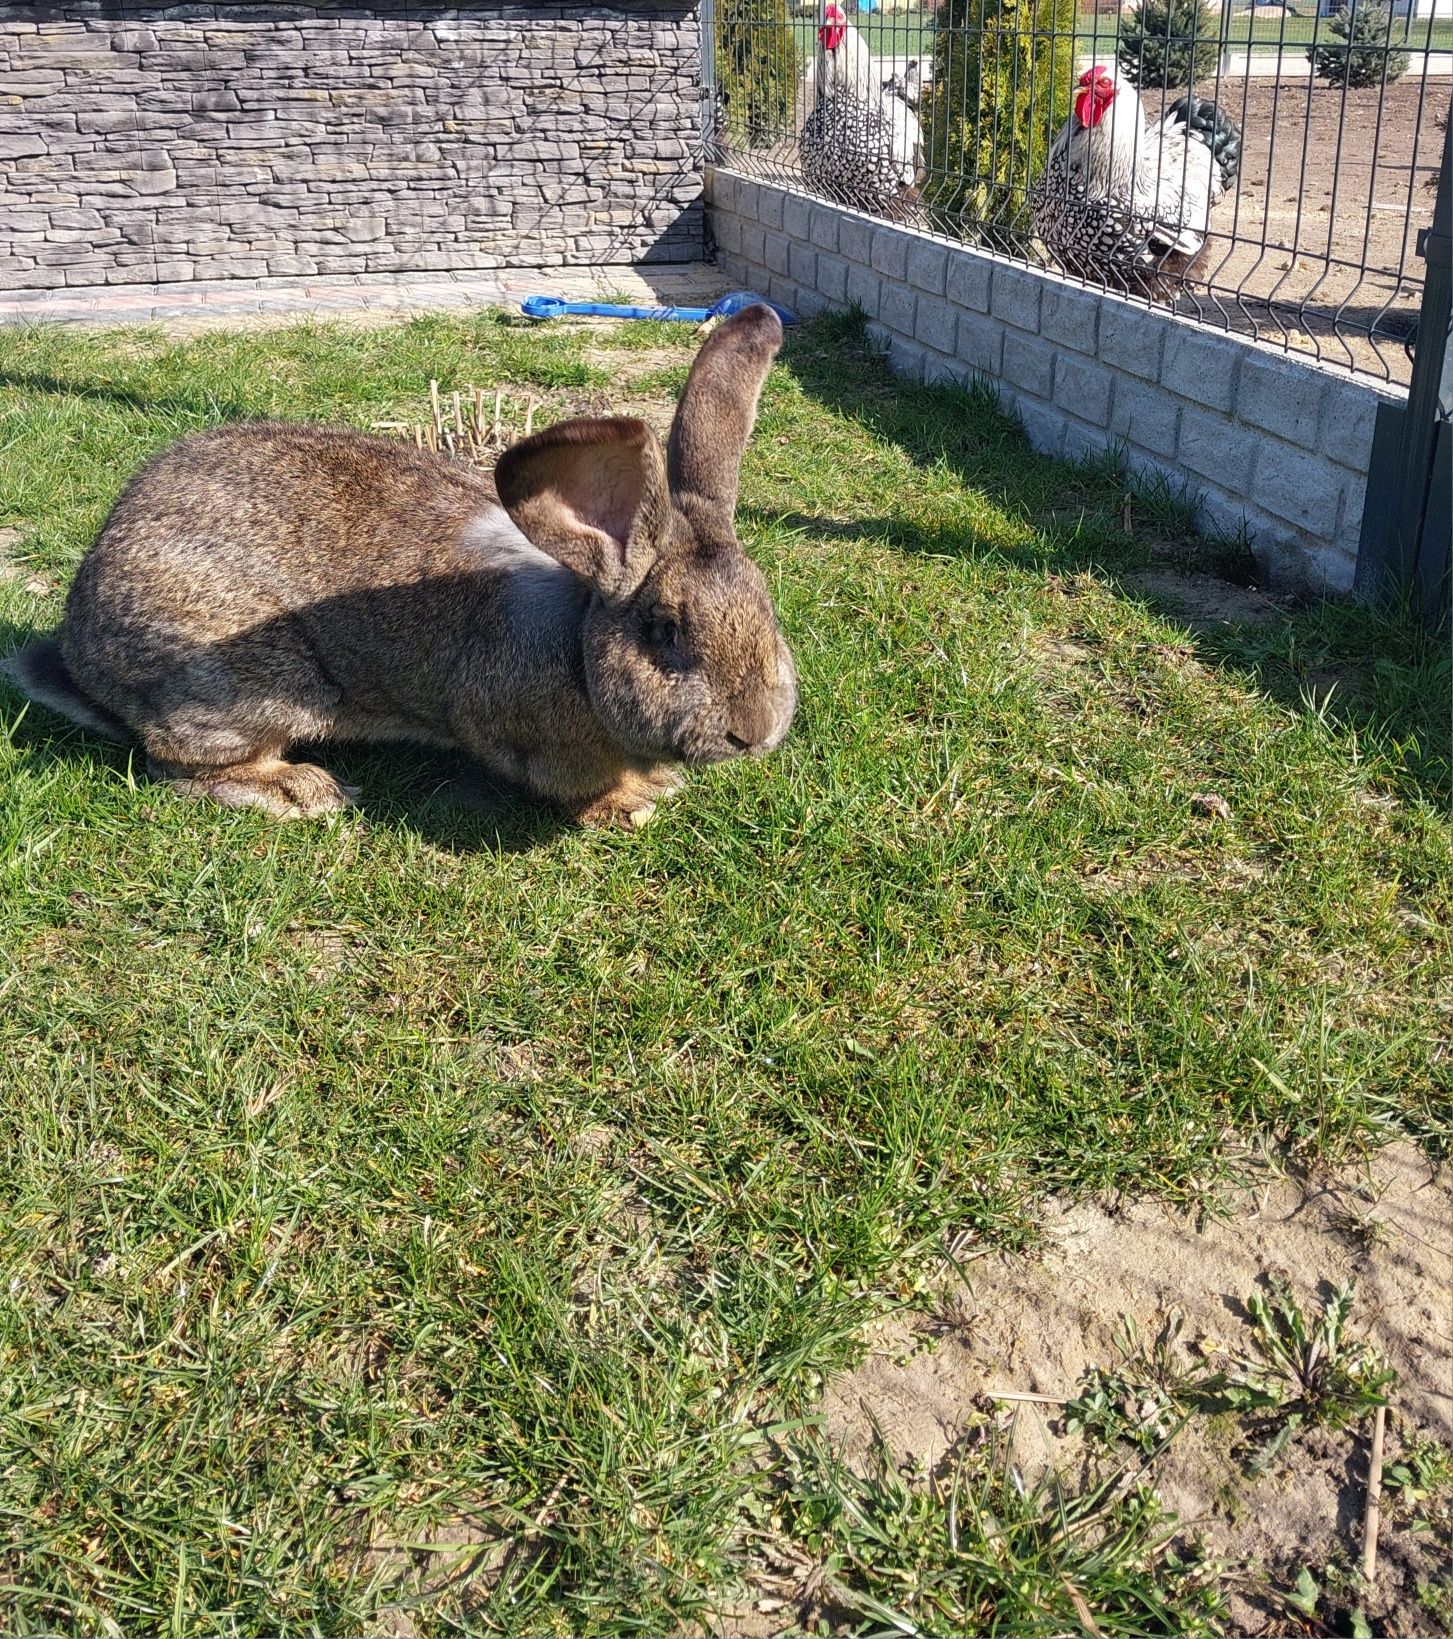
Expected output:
{"points": [[282, 789], [631, 802], [612, 810]]}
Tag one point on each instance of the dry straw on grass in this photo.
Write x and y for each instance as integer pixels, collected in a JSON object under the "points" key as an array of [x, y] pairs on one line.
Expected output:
{"points": [[459, 424]]}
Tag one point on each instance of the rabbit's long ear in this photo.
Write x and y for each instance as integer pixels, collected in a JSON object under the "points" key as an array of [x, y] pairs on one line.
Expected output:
{"points": [[592, 493], [715, 414]]}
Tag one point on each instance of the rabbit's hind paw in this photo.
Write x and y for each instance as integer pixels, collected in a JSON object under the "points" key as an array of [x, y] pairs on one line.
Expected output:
{"points": [[284, 790]]}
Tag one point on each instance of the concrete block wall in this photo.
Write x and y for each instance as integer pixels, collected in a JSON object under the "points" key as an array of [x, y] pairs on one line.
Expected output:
{"points": [[1271, 443], [154, 142]]}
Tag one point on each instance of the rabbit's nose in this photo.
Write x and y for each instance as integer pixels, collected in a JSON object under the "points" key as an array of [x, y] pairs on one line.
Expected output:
{"points": [[752, 722], [759, 717]]}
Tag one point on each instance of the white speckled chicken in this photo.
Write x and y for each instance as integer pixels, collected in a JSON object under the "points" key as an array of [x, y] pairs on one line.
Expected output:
{"points": [[861, 144], [1131, 206]]}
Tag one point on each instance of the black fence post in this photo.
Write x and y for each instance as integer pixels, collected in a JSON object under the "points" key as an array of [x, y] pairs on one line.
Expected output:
{"points": [[1407, 531]]}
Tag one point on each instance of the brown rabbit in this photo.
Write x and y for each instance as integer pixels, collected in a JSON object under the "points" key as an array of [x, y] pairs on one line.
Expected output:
{"points": [[583, 624]]}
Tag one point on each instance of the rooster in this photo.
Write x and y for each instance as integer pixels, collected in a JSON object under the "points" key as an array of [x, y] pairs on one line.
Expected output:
{"points": [[1127, 206], [861, 143]]}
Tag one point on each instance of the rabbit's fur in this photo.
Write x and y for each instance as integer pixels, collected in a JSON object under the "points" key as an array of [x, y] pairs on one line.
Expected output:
{"points": [[584, 624]]}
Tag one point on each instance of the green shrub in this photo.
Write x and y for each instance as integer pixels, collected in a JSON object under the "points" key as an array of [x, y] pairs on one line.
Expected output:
{"points": [[1003, 73], [756, 72], [1364, 56], [1170, 42]]}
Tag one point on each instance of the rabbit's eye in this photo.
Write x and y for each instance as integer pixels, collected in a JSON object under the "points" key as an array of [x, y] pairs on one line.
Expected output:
{"points": [[662, 634]]}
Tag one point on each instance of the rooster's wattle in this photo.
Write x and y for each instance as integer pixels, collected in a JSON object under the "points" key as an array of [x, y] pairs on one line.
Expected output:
{"points": [[860, 144]]}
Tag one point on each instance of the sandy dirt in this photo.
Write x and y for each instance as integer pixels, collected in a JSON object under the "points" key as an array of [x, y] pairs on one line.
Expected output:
{"points": [[1313, 207], [1203, 601], [14, 568], [1032, 1326]]}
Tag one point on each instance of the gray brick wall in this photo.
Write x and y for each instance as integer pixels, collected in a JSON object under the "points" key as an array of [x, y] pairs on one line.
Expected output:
{"points": [[146, 143], [1269, 443]]}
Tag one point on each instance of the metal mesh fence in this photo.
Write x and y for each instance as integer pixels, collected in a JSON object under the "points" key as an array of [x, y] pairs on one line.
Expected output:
{"points": [[1266, 169]]}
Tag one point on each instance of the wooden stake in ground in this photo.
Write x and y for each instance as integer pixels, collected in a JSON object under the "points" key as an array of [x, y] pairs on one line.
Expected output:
{"points": [[1373, 1517]]}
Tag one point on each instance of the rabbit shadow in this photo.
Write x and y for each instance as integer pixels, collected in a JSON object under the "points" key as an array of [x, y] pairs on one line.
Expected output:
{"points": [[448, 800]]}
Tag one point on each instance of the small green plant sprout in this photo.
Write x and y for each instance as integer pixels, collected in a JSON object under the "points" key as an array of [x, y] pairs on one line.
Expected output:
{"points": [[1113, 1406], [978, 1547], [1147, 1397], [1424, 1468], [1141, 1400], [1303, 1593], [1361, 1225], [1326, 1601], [1302, 1372], [1333, 1379], [1437, 1599], [1419, 1484]]}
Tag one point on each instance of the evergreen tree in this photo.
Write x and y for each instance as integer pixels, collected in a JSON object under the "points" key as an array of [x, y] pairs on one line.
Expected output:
{"points": [[1003, 73], [1363, 54], [1170, 42], [756, 72]]}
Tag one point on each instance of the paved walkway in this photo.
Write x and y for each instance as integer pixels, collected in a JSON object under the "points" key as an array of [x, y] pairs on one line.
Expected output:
{"points": [[377, 298]]}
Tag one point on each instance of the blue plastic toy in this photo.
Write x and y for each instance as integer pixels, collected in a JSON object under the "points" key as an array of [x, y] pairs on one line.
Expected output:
{"points": [[552, 307]]}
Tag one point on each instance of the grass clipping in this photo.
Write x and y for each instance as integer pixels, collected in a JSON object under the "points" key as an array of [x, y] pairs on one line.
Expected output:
{"points": [[459, 424]]}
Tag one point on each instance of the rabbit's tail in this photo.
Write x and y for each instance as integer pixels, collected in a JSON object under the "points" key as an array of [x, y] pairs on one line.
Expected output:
{"points": [[40, 670]]}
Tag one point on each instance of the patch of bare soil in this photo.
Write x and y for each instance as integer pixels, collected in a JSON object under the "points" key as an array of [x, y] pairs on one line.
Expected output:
{"points": [[328, 950], [13, 570], [655, 412], [445, 1558], [629, 368], [1030, 1328], [1061, 651], [637, 362], [1203, 600]]}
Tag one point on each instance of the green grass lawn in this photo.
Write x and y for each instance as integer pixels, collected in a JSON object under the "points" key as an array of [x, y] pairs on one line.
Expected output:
{"points": [[1417, 34], [441, 1175]]}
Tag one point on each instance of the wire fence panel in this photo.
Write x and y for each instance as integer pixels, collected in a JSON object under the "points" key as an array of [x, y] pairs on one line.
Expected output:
{"points": [[1265, 169]]}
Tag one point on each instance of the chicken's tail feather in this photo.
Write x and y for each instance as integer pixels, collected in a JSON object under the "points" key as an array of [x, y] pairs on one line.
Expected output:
{"points": [[1212, 125]]}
